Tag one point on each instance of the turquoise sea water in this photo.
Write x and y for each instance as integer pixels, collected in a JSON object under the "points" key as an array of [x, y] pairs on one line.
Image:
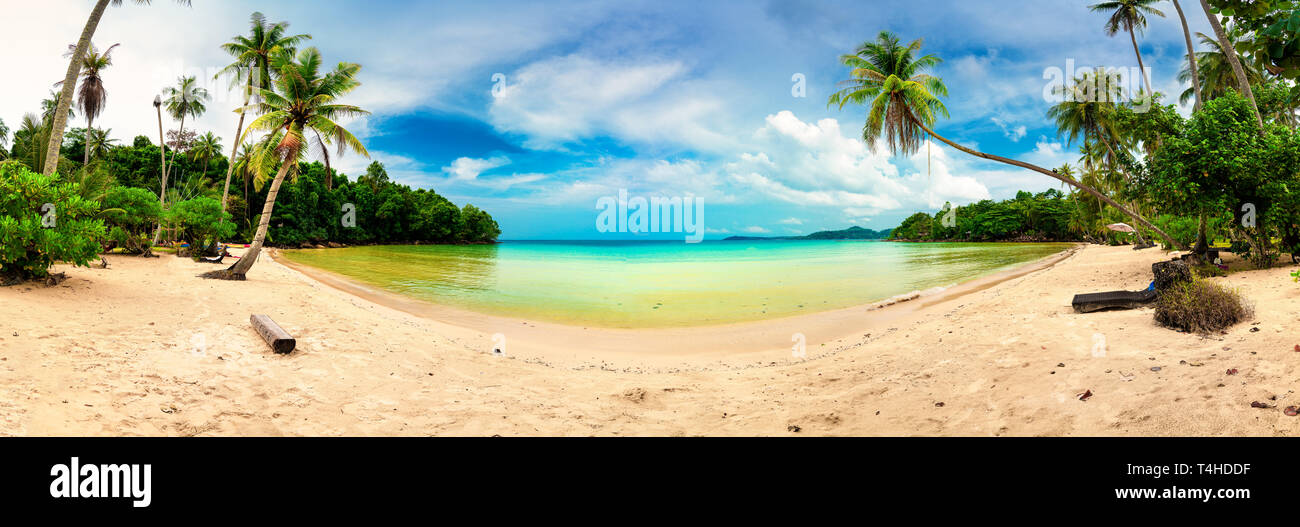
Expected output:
{"points": [[666, 284]]}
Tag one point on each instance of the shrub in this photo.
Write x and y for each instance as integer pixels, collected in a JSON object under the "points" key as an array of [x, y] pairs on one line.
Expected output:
{"points": [[1201, 306], [199, 221], [130, 215], [33, 235]]}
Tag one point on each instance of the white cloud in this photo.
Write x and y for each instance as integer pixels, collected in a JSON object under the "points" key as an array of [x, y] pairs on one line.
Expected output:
{"points": [[791, 221], [468, 168], [1014, 133], [755, 229]]}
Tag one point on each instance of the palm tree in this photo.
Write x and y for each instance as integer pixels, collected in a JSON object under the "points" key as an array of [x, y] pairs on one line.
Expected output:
{"points": [[186, 99], [1129, 16], [1191, 58], [70, 79], [1243, 83], [207, 147], [98, 143], [905, 109], [886, 73], [303, 100], [4, 139], [252, 65], [92, 96], [1214, 70]]}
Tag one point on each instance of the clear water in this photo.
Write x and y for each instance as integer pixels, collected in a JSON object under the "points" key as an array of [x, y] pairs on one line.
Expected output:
{"points": [[639, 284]]}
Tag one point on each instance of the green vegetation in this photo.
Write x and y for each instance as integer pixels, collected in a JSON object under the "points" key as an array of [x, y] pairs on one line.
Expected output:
{"points": [[851, 233], [1042, 217], [43, 221], [171, 187], [1201, 306]]}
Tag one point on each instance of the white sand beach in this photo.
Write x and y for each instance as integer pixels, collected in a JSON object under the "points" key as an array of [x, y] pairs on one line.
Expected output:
{"points": [[146, 347]]}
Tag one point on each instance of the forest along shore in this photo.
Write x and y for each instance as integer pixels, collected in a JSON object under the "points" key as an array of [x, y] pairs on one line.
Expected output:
{"points": [[126, 351]]}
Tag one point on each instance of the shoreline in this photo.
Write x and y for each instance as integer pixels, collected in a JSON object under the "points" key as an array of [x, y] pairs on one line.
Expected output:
{"points": [[757, 342]]}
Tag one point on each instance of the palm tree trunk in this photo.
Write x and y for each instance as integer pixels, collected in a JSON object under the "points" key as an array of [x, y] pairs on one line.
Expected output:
{"points": [[89, 126], [1069, 181], [230, 170], [162, 155], [329, 174], [1133, 36], [180, 136], [69, 83], [1231, 52], [1191, 57], [246, 261]]}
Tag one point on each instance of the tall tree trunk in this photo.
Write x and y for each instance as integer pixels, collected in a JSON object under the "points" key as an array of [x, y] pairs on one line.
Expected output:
{"points": [[234, 150], [89, 127], [1069, 181], [1191, 57], [162, 160], [1231, 52], [1132, 35], [250, 256], [1202, 244], [69, 83], [180, 136], [329, 174]]}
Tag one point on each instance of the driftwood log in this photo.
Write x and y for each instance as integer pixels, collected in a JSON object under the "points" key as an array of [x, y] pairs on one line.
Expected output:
{"points": [[273, 334]]}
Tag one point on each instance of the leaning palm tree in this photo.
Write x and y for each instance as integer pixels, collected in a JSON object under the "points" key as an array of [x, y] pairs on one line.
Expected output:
{"points": [[186, 99], [1131, 17], [1214, 71], [70, 79], [1191, 57], [252, 65], [303, 100], [92, 96], [903, 104], [1243, 83]]}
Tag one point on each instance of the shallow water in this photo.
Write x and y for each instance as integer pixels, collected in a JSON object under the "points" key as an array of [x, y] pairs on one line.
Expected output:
{"points": [[666, 284]]}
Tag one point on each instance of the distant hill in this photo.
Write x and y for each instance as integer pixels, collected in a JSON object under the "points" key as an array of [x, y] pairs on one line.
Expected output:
{"points": [[851, 233]]}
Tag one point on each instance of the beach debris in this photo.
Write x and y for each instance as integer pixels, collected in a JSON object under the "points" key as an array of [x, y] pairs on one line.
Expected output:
{"points": [[1232, 371], [1254, 330], [1297, 347], [1155, 368], [1060, 365], [939, 404], [1085, 395], [1292, 411], [1257, 404], [793, 428], [274, 335]]}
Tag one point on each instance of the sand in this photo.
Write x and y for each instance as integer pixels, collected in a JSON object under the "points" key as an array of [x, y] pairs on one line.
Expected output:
{"points": [[146, 347]]}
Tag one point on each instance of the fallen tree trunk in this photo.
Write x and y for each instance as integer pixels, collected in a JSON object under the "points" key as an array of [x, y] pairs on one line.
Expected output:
{"points": [[273, 334]]}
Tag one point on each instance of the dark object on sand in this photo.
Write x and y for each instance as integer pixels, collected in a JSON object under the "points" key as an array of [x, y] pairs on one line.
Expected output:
{"points": [[1167, 274], [1141, 246], [1087, 303], [215, 259], [273, 334]]}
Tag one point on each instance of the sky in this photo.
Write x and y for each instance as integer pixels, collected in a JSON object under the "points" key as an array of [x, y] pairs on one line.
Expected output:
{"points": [[534, 111]]}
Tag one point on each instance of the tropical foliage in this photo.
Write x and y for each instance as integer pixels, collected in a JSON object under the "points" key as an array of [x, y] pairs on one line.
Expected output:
{"points": [[43, 221]]}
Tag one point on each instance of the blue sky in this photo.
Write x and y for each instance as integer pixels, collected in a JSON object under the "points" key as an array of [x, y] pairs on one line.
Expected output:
{"points": [[660, 98]]}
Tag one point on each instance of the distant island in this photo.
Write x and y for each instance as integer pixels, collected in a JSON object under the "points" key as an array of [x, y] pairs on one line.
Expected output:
{"points": [[851, 233]]}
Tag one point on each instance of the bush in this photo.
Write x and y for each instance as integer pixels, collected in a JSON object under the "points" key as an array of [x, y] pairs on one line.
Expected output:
{"points": [[199, 222], [32, 235], [130, 215], [1201, 306]]}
